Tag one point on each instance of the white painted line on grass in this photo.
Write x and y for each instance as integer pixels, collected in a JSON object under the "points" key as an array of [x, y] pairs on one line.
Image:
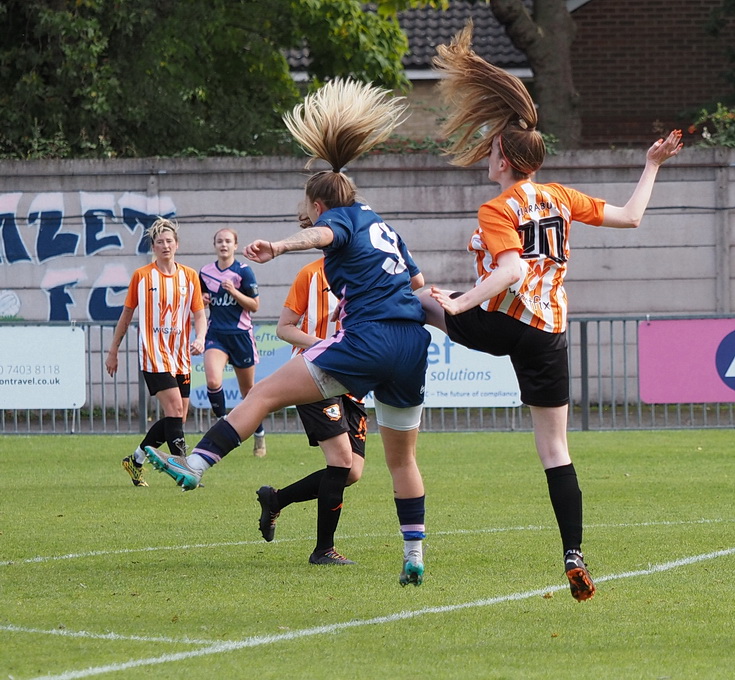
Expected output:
{"points": [[64, 632], [453, 532], [129, 551], [221, 647], [624, 525]]}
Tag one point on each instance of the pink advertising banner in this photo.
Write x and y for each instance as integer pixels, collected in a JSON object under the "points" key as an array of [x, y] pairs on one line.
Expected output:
{"points": [[691, 360]]}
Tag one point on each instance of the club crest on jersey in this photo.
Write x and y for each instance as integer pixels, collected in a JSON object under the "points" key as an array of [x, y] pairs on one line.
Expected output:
{"points": [[333, 412]]}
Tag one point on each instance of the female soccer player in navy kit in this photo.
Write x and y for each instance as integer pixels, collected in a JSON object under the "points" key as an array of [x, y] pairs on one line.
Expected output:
{"points": [[382, 345], [230, 290]]}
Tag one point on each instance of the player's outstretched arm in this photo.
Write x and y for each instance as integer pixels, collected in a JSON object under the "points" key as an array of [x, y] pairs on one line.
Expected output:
{"points": [[265, 251], [630, 215]]}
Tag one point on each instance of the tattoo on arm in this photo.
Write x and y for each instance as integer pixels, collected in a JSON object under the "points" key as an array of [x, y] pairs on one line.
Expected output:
{"points": [[314, 237]]}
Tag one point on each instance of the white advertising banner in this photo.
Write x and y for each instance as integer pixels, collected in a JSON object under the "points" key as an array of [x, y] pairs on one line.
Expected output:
{"points": [[42, 367], [456, 376], [461, 377]]}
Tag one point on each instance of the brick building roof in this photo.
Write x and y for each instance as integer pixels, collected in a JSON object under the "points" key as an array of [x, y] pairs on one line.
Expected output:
{"points": [[426, 28]]}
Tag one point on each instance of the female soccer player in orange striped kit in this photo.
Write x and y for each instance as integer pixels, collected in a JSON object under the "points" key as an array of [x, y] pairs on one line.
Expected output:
{"points": [[167, 296], [518, 306], [337, 424]]}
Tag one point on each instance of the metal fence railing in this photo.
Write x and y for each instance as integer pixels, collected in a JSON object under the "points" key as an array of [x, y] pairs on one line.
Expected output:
{"points": [[604, 387]]}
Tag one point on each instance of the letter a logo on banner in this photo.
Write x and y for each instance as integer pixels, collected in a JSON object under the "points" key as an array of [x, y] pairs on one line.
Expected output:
{"points": [[725, 360]]}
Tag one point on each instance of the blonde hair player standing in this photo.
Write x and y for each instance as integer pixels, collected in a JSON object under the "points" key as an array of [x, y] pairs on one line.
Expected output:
{"points": [[518, 306], [382, 345], [167, 296], [230, 291]]}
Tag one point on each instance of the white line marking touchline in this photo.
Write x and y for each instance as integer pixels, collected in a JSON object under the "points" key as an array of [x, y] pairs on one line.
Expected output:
{"points": [[453, 532], [63, 632], [222, 647]]}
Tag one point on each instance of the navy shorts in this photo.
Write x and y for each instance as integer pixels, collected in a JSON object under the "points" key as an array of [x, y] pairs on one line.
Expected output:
{"points": [[539, 358], [332, 417], [388, 358], [239, 347], [156, 382]]}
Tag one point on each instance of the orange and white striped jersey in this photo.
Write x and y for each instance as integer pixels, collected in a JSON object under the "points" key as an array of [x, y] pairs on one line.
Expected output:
{"points": [[535, 220], [311, 298], [165, 304]]}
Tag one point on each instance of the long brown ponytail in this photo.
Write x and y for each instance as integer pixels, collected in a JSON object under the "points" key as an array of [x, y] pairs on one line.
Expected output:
{"points": [[485, 102]]}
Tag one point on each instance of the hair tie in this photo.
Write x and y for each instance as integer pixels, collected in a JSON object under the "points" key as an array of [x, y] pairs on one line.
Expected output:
{"points": [[337, 170], [523, 124]]}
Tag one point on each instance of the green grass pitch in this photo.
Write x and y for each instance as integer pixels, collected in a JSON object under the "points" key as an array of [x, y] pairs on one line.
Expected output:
{"points": [[102, 579]]}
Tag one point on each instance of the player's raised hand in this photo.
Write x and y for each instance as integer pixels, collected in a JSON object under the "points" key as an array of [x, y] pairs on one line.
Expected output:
{"points": [[663, 149]]}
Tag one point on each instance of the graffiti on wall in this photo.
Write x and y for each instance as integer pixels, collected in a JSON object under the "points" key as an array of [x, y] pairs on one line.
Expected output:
{"points": [[68, 246]]}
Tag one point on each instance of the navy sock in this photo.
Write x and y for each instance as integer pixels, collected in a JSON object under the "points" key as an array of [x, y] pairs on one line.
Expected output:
{"points": [[411, 512], [217, 401], [219, 440]]}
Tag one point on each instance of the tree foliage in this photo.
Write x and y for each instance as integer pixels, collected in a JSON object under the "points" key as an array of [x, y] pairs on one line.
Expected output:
{"points": [[126, 78], [546, 36], [720, 21]]}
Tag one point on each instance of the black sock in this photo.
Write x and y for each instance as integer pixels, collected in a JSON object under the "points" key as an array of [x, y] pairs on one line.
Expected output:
{"points": [[174, 428], [155, 436], [566, 499], [217, 401], [329, 505], [305, 489]]}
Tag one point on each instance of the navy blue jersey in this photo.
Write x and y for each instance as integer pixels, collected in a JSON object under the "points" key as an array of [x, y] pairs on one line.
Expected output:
{"points": [[369, 268], [225, 314]]}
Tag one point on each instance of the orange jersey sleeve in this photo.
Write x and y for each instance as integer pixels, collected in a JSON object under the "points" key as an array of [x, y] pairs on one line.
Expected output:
{"points": [[131, 299], [311, 298]]}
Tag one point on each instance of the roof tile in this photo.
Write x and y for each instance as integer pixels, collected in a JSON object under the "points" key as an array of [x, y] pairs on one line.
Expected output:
{"points": [[426, 28]]}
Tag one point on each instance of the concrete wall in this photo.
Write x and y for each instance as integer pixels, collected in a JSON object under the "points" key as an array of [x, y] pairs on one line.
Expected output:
{"points": [[70, 230]]}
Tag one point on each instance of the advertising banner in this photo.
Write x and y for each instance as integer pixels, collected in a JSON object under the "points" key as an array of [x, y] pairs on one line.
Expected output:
{"points": [[42, 367], [689, 360], [456, 376]]}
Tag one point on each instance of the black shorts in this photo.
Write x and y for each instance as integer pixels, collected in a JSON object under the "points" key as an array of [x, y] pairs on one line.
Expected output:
{"points": [[540, 359], [332, 417], [165, 381]]}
